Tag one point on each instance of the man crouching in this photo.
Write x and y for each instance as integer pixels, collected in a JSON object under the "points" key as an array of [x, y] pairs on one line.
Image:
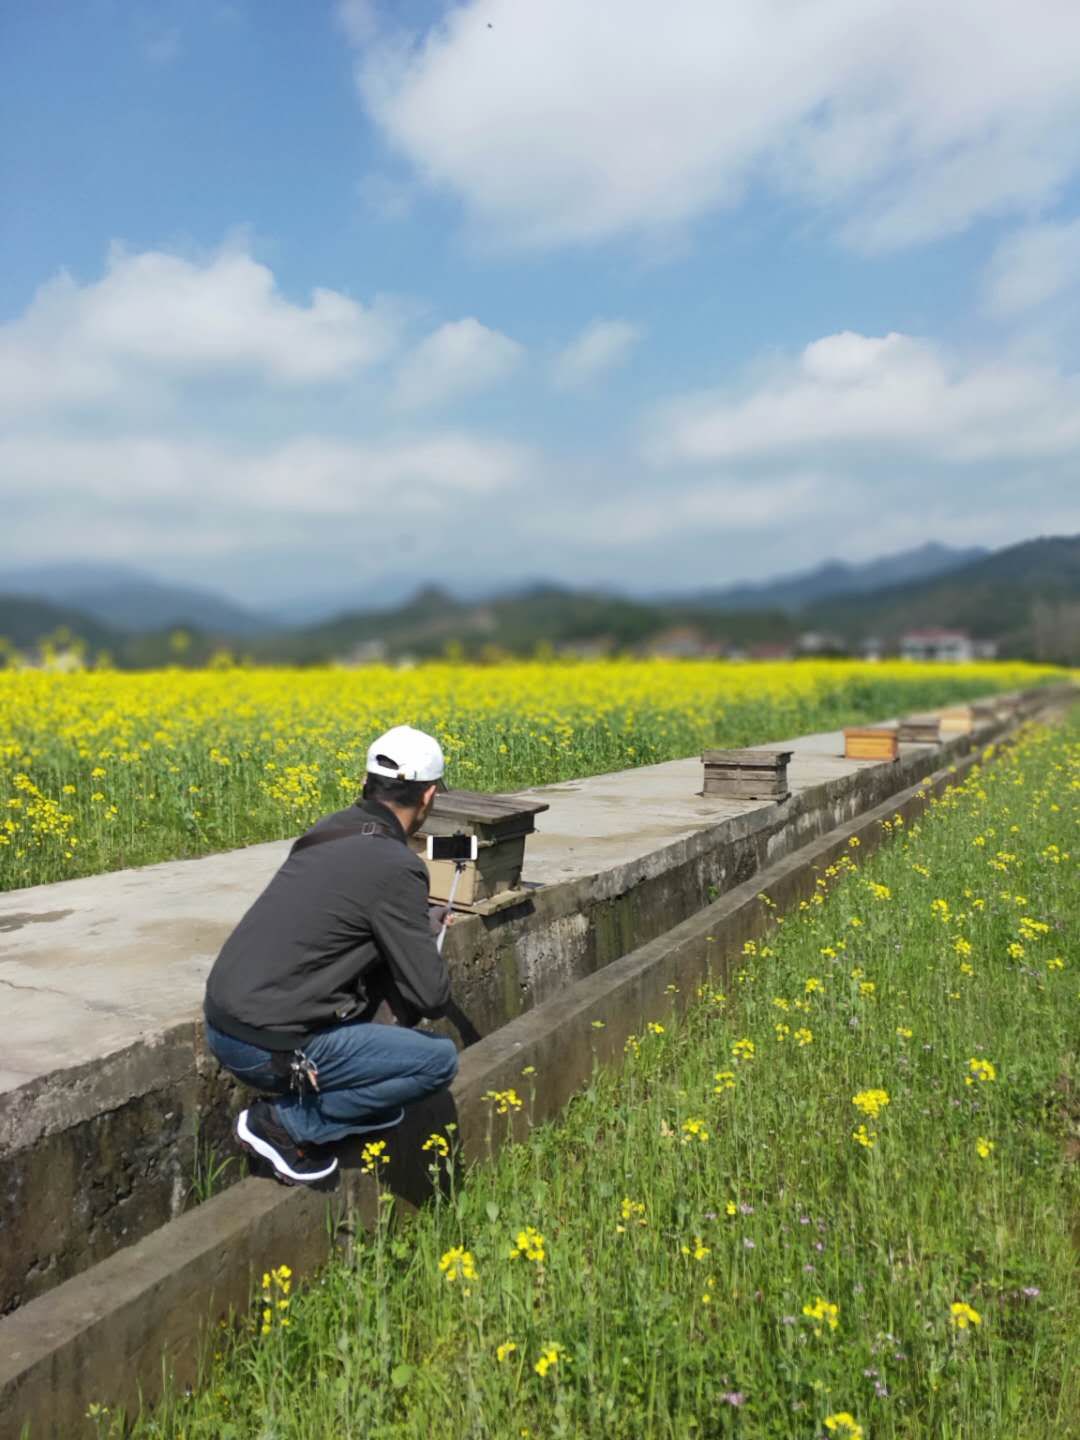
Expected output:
{"points": [[342, 926]]}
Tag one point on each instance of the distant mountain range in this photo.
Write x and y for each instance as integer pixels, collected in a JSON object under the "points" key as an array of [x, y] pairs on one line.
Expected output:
{"points": [[126, 599], [834, 577], [1000, 596], [1025, 597]]}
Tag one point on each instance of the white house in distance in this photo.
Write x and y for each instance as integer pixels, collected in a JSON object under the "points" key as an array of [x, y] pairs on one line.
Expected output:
{"points": [[949, 646]]}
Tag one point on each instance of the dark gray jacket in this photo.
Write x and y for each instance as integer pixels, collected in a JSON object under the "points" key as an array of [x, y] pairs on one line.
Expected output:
{"points": [[314, 949]]}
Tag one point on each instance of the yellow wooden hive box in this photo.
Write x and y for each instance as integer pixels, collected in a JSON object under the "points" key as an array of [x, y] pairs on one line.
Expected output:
{"points": [[876, 743]]}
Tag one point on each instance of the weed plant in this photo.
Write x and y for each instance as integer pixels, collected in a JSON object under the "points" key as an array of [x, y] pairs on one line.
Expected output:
{"points": [[835, 1197]]}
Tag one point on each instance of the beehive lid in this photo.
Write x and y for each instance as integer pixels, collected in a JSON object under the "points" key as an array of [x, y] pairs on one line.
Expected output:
{"points": [[757, 759], [475, 813]]}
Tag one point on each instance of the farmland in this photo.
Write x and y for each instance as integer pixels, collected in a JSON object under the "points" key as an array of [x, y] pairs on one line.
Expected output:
{"points": [[832, 1197], [99, 770]]}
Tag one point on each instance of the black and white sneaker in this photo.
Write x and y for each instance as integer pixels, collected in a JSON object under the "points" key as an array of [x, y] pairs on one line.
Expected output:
{"points": [[260, 1134]]}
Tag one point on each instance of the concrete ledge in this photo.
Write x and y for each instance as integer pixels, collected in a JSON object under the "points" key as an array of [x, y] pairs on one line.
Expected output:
{"points": [[103, 1335]]}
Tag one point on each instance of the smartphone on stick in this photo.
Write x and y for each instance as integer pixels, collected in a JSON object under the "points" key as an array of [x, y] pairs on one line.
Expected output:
{"points": [[458, 848]]}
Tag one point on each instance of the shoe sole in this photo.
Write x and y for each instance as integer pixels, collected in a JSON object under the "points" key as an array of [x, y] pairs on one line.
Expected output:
{"points": [[254, 1145], [380, 1124]]}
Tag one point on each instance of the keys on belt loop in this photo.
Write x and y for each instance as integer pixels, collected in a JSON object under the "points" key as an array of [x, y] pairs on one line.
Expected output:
{"points": [[304, 1072]]}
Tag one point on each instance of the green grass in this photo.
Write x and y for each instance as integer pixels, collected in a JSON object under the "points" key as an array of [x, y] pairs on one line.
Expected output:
{"points": [[684, 1312]]}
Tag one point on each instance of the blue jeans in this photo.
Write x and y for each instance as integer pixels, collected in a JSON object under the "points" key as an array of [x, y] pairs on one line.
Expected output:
{"points": [[366, 1073]]}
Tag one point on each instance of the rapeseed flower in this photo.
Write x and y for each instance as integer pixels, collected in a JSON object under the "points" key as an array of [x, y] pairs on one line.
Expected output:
{"points": [[458, 1264], [871, 1102], [822, 1312], [631, 1211], [844, 1424], [550, 1355], [982, 1071], [529, 1243], [699, 1250], [372, 1156], [963, 1315], [504, 1100]]}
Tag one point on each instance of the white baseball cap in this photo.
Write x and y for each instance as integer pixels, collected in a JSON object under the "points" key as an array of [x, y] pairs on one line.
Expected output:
{"points": [[407, 754]]}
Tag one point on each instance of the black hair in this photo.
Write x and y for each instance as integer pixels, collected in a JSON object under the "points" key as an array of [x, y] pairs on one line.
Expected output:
{"points": [[406, 794]]}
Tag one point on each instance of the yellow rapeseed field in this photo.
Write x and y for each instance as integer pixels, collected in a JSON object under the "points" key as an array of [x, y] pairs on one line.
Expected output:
{"points": [[102, 769]]}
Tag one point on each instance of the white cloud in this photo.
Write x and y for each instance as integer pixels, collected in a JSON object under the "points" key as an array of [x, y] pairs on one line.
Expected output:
{"points": [[457, 359], [601, 345], [202, 485], [1031, 267], [853, 397], [570, 122], [723, 505], [156, 318]]}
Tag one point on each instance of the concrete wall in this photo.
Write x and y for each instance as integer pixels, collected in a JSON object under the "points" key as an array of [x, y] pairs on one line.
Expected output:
{"points": [[100, 1336]]}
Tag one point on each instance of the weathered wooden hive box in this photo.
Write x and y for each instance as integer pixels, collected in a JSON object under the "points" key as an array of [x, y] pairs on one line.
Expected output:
{"points": [[1001, 707], [957, 720], [747, 774], [919, 730], [877, 742], [500, 823]]}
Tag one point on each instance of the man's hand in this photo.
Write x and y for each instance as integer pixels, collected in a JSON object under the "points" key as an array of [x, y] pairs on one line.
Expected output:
{"points": [[438, 916]]}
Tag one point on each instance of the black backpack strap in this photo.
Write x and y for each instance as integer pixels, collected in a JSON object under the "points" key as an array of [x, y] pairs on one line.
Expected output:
{"points": [[340, 832]]}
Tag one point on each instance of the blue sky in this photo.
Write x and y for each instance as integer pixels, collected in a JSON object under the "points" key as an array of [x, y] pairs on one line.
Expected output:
{"points": [[339, 297]]}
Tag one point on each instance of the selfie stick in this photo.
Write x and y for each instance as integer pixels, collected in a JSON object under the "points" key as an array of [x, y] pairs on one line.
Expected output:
{"points": [[459, 870]]}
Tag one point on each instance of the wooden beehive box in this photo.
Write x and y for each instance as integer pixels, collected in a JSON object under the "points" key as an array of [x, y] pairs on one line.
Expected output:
{"points": [[919, 730], [877, 742], [500, 823], [747, 774], [985, 712], [957, 720]]}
